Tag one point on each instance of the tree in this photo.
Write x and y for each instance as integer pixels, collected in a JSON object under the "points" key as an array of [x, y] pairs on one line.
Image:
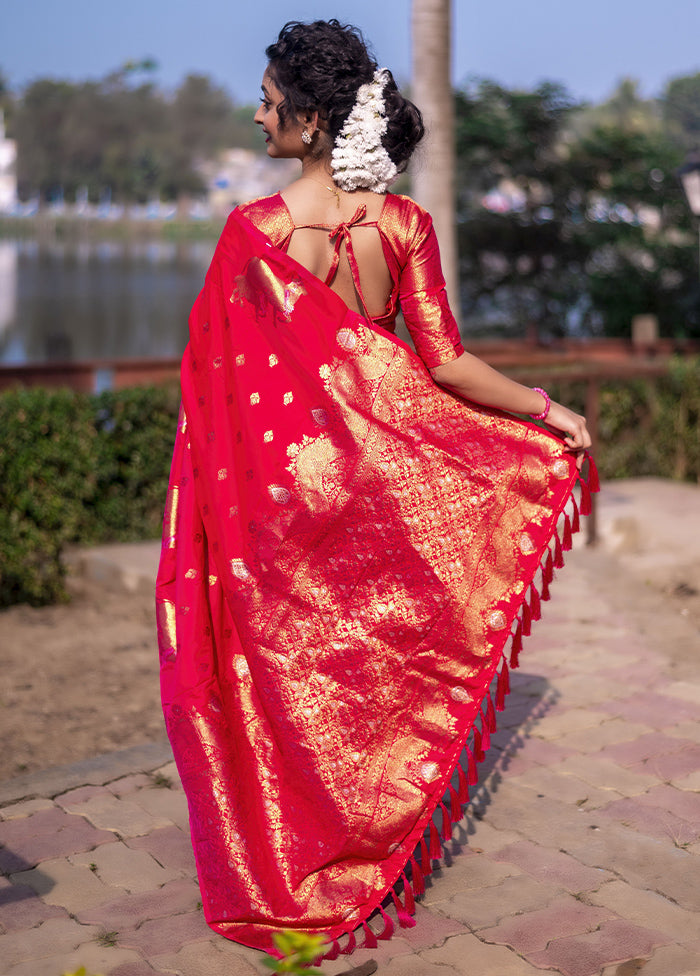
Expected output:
{"points": [[680, 104], [434, 177], [560, 230]]}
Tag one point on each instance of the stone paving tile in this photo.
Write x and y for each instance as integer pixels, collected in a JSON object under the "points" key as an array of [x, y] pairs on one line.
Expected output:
{"points": [[170, 846], [594, 689], [106, 960], [651, 820], [483, 838], [139, 968], [636, 674], [544, 820], [647, 746], [648, 909], [477, 871], [585, 955], [161, 935], [468, 954], [642, 861], [130, 910], [169, 771], [595, 739], [167, 805], [687, 690], [49, 833], [675, 801], [606, 775], [671, 766], [569, 789], [652, 709], [25, 808], [120, 866], [483, 908], [542, 751], [122, 816], [571, 720], [534, 930], [22, 908], [80, 795], [431, 929], [685, 730], [53, 936], [553, 867], [69, 886], [206, 959], [129, 784], [691, 782], [666, 961]]}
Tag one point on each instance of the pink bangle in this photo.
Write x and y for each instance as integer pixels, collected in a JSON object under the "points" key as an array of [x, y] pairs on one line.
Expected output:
{"points": [[547, 404]]}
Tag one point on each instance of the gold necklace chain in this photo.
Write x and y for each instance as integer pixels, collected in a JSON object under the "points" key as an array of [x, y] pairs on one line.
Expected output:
{"points": [[331, 189]]}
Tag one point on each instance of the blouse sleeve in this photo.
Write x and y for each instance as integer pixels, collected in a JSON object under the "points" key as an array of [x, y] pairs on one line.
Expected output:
{"points": [[423, 299]]}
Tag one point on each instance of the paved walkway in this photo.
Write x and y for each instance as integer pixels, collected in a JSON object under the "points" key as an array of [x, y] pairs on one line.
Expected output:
{"points": [[580, 854]]}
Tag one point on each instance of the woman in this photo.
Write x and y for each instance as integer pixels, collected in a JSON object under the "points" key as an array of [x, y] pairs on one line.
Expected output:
{"points": [[353, 532]]}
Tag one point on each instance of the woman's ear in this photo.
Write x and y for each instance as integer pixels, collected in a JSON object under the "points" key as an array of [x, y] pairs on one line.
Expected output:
{"points": [[310, 122]]}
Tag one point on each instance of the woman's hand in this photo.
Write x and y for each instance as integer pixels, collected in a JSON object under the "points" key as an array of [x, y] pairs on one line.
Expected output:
{"points": [[572, 427]]}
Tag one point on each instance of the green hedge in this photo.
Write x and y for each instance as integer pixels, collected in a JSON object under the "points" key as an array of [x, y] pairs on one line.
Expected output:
{"points": [[87, 469], [77, 469]]}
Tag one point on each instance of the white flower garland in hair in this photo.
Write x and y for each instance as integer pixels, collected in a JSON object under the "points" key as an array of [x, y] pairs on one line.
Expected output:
{"points": [[359, 160]]}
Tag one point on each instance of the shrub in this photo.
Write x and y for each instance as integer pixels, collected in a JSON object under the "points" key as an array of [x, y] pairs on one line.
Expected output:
{"points": [[77, 468]]}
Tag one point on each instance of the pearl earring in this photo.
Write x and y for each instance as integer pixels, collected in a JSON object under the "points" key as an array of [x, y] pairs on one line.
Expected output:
{"points": [[306, 138]]}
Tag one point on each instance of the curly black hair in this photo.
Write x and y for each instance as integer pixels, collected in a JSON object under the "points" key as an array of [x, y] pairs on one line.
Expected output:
{"points": [[318, 67]]}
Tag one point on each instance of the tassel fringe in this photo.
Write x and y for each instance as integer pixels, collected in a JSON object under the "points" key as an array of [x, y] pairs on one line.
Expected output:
{"points": [[431, 848], [370, 938]]}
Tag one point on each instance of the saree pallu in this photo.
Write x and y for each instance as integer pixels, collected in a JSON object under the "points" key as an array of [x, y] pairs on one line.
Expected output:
{"points": [[347, 551]]}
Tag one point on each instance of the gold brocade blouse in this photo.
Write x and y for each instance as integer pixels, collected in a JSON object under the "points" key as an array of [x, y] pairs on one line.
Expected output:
{"points": [[412, 255]]}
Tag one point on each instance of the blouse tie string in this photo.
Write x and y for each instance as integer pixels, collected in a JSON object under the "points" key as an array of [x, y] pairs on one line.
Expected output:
{"points": [[341, 232]]}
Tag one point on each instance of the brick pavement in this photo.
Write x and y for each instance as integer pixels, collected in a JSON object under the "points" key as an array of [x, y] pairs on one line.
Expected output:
{"points": [[580, 853]]}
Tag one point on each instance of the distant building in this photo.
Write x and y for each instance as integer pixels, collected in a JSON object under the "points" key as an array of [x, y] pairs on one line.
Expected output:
{"points": [[237, 175], [8, 170]]}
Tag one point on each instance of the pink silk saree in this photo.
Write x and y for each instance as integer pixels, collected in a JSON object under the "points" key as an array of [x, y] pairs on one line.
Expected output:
{"points": [[349, 552]]}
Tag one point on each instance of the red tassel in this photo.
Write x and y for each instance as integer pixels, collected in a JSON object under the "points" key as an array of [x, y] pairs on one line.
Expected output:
{"points": [[405, 920], [491, 723], [575, 523], [548, 569], [502, 686], [516, 646], [425, 860], [485, 737], [455, 805], [593, 479], [388, 929], [526, 620], [435, 846], [370, 938], [478, 750], [408, 895], [334, 952], [446, 822], [545, 594], [585, 497], [535, 606], [472, 775], [566, 541], [558, 554], [417, 877], [463, 789], [351, 946]]}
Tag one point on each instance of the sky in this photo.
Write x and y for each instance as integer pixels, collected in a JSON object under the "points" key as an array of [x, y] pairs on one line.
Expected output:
{"points": [[588, 46]]}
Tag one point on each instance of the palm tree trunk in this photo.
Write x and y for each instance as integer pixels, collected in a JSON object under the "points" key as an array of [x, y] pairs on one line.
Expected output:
{"points": [[433, 173]]}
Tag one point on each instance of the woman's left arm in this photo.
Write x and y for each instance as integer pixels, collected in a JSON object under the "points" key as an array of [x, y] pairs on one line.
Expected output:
{"points": [[473, 379]]}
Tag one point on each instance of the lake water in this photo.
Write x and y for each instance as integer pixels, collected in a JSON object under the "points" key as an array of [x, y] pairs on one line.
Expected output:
{"points": [[97, 300]]}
